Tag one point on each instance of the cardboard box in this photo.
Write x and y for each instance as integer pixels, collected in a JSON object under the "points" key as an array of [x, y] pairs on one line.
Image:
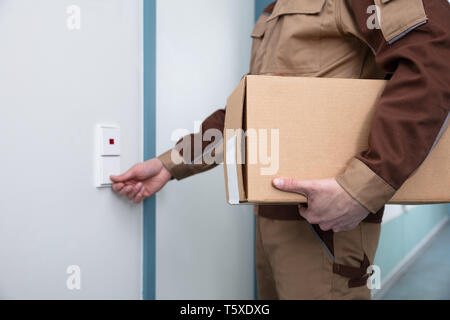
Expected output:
{"points": [[311, 128]]}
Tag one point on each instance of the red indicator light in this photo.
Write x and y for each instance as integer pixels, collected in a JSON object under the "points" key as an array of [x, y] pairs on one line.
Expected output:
{"points": [[111, 141]]}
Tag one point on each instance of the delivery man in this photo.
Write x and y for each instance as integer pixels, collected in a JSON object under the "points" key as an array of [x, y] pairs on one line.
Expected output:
{"points": [[323, 251]]}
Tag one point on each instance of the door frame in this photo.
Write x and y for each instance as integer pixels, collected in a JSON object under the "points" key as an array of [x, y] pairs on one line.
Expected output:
{"points": [[149, 125]]}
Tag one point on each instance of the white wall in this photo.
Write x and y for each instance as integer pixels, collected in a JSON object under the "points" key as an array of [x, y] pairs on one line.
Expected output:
{"points": [[55, 86], [204, 247]]}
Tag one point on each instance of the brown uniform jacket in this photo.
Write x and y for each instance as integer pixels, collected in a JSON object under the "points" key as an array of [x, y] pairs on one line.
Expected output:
{"points": [[406, 41]]}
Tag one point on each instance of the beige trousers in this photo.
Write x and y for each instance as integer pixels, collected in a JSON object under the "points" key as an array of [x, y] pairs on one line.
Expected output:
{"points": [[295, 261]]}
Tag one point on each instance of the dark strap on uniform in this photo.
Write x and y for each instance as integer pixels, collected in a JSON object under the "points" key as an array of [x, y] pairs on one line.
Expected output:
{"points": [[358, 276], [290, 212]]}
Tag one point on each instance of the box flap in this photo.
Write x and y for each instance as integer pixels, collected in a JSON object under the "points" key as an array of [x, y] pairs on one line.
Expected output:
{"points": [[233, 137]]}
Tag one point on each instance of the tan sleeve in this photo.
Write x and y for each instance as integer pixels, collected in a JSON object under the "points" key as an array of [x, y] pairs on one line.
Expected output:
{"points": [[198, 152], [412, 44], [365, 186]]}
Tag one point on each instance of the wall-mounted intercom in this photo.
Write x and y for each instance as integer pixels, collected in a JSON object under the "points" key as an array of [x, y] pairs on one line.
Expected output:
{"points": [[107, 154]]}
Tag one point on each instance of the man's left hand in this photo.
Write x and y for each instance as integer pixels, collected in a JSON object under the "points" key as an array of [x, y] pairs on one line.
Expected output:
{"points": [[329, 205]]}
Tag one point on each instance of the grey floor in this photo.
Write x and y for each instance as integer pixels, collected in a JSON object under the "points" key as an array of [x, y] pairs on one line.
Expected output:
{"points": [[429, 276]]}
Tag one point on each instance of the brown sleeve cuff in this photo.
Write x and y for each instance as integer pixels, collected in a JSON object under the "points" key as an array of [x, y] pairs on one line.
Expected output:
{"points": [[366, 187], [178, 168]]}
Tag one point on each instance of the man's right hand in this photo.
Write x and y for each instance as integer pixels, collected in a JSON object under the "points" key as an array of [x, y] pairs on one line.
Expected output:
{"points": [[142, 180]]}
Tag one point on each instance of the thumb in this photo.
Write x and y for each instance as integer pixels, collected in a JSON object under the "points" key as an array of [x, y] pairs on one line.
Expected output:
{"points": [[292, 185], [130, 174]]}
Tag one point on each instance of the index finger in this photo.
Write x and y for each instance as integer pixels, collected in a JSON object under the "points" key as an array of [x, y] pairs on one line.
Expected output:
{"points": [[117, 186]]}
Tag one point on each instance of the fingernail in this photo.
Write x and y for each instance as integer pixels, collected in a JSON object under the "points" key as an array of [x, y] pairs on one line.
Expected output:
{"points": [[278, 182]]}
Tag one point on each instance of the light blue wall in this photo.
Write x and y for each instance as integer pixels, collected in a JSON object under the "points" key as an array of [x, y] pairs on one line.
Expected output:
{"points": [[402, 234]]}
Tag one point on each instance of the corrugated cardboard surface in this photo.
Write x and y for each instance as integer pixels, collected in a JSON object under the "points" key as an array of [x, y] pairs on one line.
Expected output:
{"points": [[323, 124]]}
